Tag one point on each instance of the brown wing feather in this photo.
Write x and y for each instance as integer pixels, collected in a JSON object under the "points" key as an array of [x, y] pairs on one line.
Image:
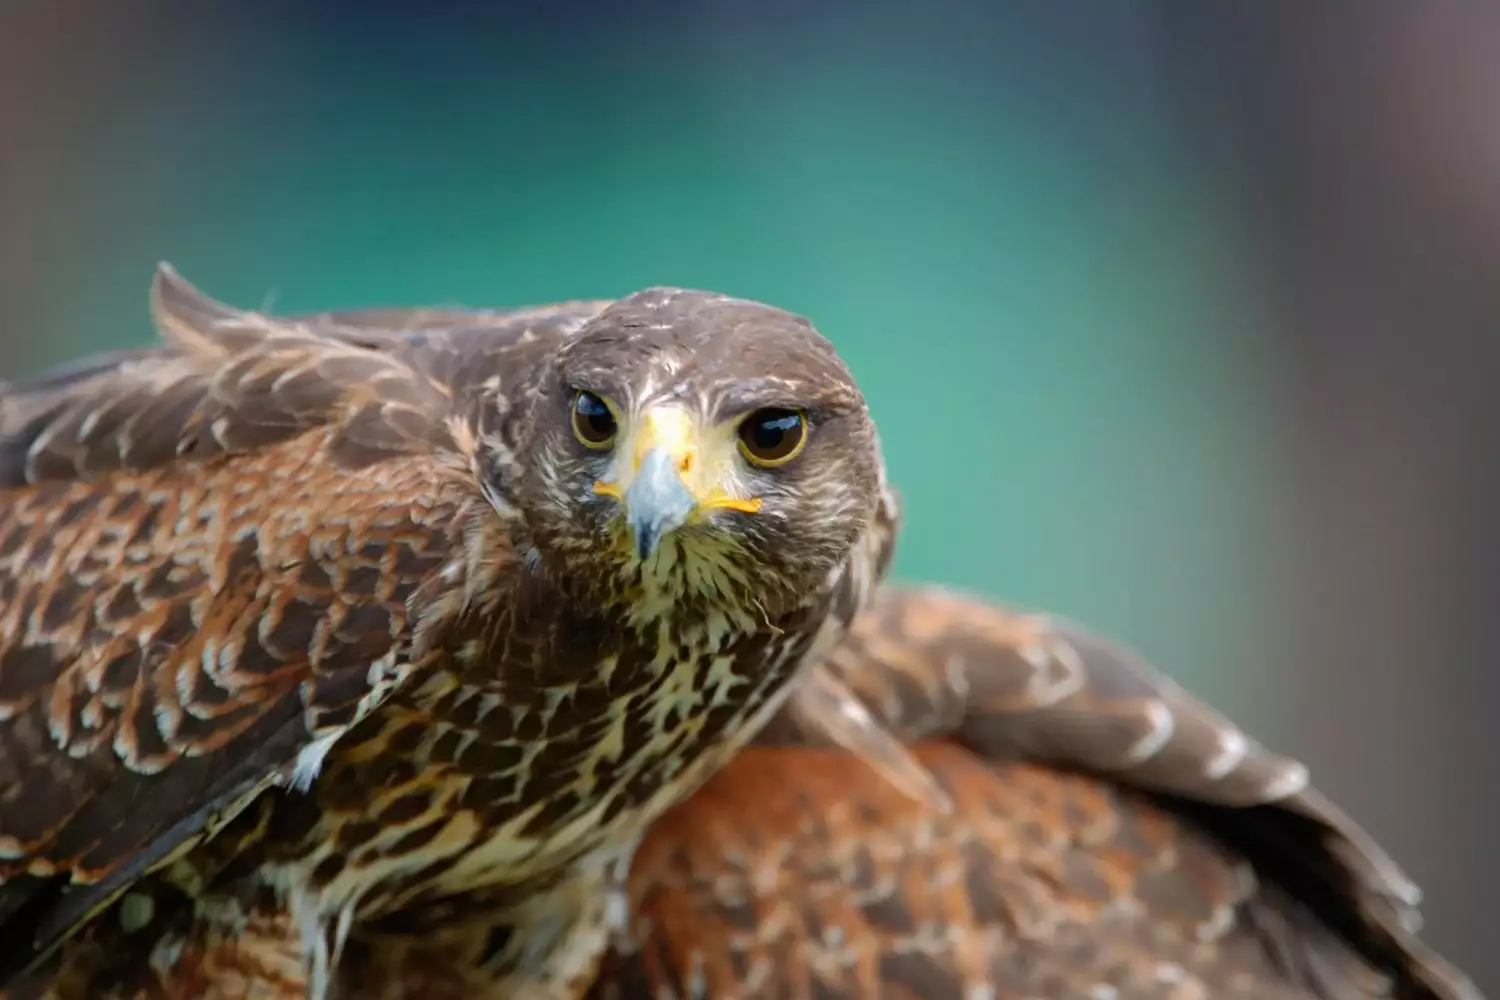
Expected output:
{"points": [[1108, 836], [208, 552], [260, 957]]}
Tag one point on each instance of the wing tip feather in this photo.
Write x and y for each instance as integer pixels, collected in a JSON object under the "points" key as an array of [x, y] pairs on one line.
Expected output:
{"points": [[184, 314], [1208, 760]]}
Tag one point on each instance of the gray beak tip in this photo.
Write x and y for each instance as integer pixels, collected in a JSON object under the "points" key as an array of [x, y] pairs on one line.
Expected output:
{"points": [[646, 539], [657, 503]]}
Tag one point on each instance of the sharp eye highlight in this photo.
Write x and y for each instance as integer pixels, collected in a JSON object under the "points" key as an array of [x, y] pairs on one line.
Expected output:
{"points": [[593, 421], [772, 436]]}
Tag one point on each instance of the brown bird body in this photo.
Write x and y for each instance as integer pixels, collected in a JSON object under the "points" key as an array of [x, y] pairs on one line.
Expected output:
{"points": [[1104, 835], [334, 622], [387, 750], [1109, 838]]}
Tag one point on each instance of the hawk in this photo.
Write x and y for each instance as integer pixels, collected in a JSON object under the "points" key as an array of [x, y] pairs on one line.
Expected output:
{"points": [[350, 618], [953, 800]]}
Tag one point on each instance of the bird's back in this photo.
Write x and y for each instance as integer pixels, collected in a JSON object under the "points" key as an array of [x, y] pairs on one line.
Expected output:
{"points": [[1108, 837]]}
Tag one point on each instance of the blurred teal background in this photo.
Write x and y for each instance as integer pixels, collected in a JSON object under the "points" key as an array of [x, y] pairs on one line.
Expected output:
{"points": [[1037, 231]]}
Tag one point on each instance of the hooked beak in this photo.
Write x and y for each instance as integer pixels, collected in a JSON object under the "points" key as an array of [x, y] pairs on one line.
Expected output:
{"points": [[657, 502], [668, 481]]}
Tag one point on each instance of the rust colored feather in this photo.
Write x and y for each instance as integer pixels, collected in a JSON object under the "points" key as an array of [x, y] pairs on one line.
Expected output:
{"points": [[1109, 836], [173, 635], [325, 610], [799, 871], [322, 669]]}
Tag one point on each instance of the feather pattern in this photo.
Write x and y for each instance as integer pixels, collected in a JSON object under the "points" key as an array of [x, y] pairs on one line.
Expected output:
{"points": [[317, 619], [1107, 835]]}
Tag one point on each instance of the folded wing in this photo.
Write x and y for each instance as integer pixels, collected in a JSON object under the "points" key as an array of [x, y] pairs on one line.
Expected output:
{"points": [[1104, 834], [209, 551]]}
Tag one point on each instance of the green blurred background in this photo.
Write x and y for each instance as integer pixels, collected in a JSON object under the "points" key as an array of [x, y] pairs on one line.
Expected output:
{"points": [[1058, 243]]}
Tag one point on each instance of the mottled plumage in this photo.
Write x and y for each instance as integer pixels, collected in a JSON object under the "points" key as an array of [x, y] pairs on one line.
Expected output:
{"points": [[1111, 838], [343, 619], [1102, 835], [331, 660]]}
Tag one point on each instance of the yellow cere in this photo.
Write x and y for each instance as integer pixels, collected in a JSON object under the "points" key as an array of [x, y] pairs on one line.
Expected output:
{"points": [[707, 462]]}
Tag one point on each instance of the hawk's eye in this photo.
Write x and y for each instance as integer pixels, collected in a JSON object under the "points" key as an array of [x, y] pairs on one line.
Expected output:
{"points": [[593, 422], [773, 436]]}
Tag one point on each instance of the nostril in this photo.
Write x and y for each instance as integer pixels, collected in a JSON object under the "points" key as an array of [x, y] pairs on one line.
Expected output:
{"points": [[685, 463]]}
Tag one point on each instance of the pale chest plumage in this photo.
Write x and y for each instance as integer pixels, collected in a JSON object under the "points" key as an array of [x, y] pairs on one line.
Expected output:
{"points": [[510, 775]]}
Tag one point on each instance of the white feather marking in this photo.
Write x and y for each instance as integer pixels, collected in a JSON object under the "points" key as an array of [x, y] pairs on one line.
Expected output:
{"points": [[309, 760], [1291, 782], [1233, 748], [165, 954], [1163, 725]]}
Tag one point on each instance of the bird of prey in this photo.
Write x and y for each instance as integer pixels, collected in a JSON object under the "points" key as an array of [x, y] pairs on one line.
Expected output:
{"points": [[348, 619], [1056, 821]]}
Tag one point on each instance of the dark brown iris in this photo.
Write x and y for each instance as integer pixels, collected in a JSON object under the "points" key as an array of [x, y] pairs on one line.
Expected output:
{"points": [[773, 436], [593, 421]]}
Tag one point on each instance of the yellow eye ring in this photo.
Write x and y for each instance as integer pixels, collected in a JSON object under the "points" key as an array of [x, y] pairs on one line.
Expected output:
{"points": [[772, 436], [593, 419]]}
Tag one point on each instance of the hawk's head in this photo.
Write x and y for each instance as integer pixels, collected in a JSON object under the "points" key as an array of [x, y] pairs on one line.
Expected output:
{"points": [[688, 443]]}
